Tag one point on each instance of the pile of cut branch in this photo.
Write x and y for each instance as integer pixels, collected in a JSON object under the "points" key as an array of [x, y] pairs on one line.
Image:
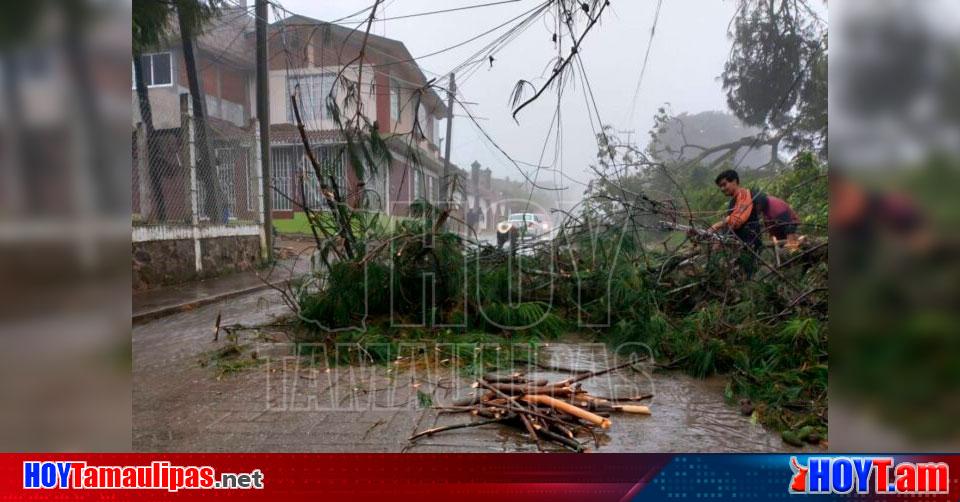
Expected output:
{"points": [[558, 412]]}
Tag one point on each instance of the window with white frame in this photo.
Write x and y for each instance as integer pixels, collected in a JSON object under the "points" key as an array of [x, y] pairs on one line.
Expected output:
{"points": [[312, 96], [394, 102], [157, 70]]}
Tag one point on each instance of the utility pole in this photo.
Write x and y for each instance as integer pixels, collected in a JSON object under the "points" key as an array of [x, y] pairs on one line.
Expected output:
{"points": [[263, 117], [446, 194]]}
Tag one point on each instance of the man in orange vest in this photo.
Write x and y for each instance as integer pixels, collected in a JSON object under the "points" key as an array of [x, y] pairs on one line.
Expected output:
{"points": [[743, 217]]}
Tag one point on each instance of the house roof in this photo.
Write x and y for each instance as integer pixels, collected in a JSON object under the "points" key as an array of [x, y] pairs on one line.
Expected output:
{"points": [[223, 129], [396, 53], [219, 38]]}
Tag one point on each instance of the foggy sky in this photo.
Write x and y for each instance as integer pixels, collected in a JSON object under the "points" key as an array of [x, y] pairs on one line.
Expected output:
{"points": [[687, 57]]}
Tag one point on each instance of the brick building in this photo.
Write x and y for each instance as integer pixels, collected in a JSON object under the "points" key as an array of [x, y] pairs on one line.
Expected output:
{"points": [[311, 53]]}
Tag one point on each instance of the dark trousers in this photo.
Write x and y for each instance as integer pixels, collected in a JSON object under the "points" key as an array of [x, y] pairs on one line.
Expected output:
{"points": [[749, 234]]}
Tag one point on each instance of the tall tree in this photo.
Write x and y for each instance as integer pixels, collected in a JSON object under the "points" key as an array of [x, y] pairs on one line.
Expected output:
{"points": [[150, 21], [775, 77], [191, 16]]}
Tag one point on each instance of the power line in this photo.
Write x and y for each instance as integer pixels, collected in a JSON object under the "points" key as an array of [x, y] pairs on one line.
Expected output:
{"points": [[477, 58], [396, 60], [643, 67], [471, 39], [276, 5], [430, 13]]}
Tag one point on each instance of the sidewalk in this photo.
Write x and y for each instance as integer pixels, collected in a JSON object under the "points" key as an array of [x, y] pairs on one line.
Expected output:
{"points": [[160, 302]]}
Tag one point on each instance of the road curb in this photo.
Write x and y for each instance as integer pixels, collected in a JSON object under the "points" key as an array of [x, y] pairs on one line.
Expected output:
{"points": [[150, 315]]}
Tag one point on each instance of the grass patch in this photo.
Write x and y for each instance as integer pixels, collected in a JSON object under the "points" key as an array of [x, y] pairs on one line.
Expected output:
{"points": [[298, 225], [229, 359]]}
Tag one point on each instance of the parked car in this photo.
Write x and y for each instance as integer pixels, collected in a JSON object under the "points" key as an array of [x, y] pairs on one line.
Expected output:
{"points": [[523, 225]]}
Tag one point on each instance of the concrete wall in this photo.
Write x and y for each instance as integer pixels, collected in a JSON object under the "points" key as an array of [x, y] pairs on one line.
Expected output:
{"points": [[224, 88], [168, 262]]}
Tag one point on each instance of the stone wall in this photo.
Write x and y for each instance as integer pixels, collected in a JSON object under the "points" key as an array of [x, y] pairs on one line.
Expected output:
{"points": [[229, 254], [167, 262]]}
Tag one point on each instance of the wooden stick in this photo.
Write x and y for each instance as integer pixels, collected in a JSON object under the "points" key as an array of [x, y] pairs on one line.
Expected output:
{"points": [[572, 444], [776, 250], [216, 328], [591, 374], [464, 425], [568, 409], [530, 429], [472, 399], [565, 430], [594, 406], [641, 397], [534, 413], [512, 388], [516, 377], [633, 408]]}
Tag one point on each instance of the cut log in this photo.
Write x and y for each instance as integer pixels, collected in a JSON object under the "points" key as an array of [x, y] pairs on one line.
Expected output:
{"points": [[514, 389], [633, 408], [505, 378], [472, 399], [568, 409]]}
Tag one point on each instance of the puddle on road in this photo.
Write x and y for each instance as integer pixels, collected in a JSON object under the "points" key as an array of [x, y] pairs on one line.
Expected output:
{"points": [[689, 415]]}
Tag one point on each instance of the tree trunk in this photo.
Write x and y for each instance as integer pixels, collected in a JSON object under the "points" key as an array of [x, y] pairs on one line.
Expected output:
{"points": [[153, 160], [206, 170]]}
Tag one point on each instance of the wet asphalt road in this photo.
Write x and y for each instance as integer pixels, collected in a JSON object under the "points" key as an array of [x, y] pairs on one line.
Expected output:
{"points": [[279, 402]]}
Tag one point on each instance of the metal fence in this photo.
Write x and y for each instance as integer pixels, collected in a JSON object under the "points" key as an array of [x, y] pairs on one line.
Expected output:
{"points": [[195, 179], [294, 182], [186, 172]]}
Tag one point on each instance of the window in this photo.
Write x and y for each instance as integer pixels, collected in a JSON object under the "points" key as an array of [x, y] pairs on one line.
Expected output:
{"points": [[394, 102], [157, 70], [312, 98]]}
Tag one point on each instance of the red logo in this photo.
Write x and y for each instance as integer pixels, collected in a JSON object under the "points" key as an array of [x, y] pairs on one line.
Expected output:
{"points": [[799, 481]]}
